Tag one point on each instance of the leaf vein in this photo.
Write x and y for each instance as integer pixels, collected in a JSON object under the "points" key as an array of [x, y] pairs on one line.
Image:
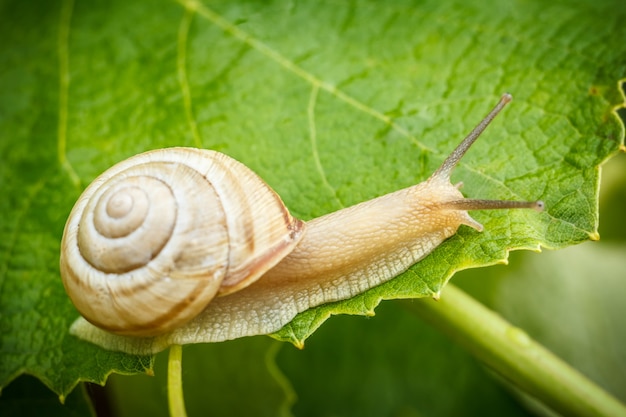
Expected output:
{"points": [[292, 67], [181, 60], [67, 8], [314, 148]]}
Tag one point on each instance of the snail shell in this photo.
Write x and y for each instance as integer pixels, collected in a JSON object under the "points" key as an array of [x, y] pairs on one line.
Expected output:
{"points": [[153, 239]]}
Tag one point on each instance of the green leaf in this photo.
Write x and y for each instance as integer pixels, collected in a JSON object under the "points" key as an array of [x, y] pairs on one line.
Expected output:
{"points": [[331, 104]]}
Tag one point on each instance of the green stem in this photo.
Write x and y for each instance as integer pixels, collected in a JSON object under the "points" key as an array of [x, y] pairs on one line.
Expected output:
{"points": [[514, 355], [175, 397]]}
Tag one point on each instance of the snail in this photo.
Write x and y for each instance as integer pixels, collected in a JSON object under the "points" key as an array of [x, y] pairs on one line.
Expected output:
{"points": [[181, 235]]}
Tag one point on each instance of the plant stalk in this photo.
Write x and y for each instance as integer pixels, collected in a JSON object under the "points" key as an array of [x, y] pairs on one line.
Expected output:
{"points": [[511, 353], [175, 397]]}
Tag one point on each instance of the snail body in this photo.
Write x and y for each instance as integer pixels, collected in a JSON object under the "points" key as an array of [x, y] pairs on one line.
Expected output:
{"points": [[214, 251]]}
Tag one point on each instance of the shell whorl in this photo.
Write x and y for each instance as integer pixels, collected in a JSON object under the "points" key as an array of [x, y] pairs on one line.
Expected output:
{"points": [[153, 239]]}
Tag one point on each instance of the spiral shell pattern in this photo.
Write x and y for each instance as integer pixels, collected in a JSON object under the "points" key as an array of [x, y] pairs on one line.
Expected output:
{"points": [[153, 239]]}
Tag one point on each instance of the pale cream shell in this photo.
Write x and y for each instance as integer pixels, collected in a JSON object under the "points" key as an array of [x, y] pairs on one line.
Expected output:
{"points": [[153, 239]]}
